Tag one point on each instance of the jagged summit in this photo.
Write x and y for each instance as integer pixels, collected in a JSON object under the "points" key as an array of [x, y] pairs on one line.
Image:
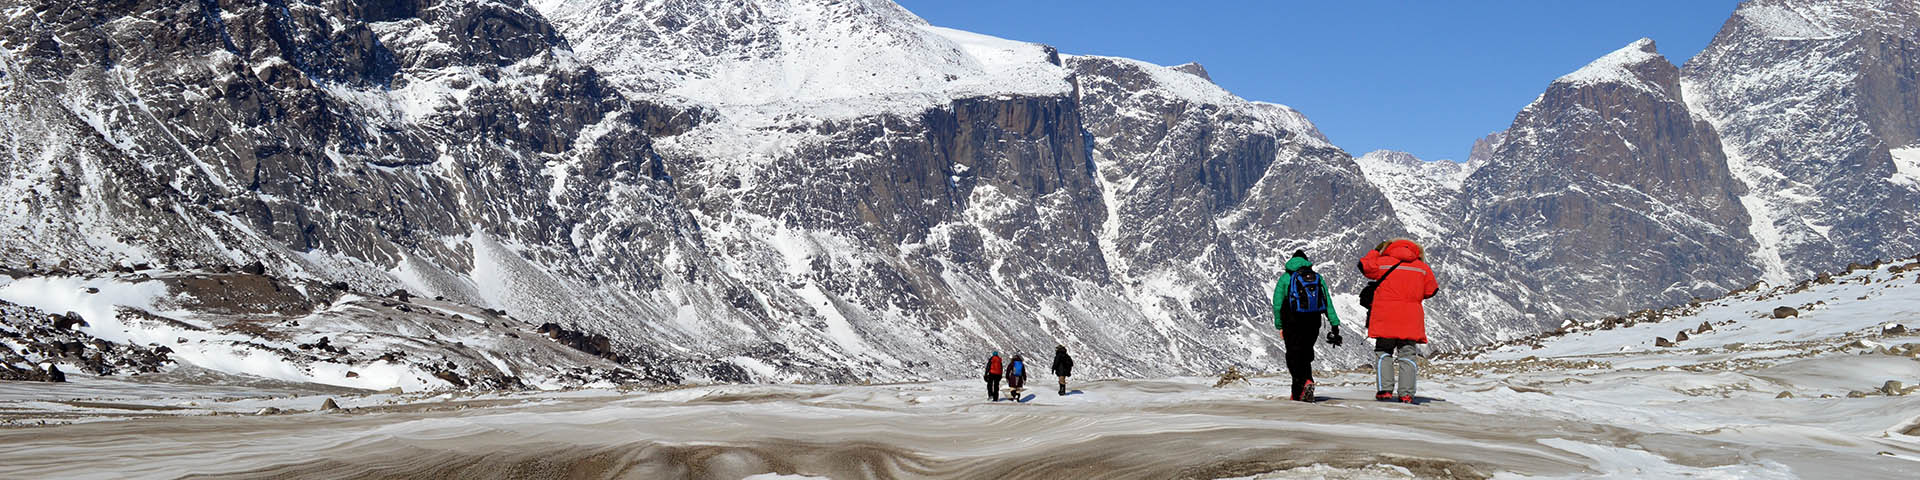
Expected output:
{"points": [[1193, 68], [1630, 65]]}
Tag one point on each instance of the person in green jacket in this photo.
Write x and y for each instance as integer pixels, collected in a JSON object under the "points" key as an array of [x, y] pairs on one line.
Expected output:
{"points": [[1299, 299]]}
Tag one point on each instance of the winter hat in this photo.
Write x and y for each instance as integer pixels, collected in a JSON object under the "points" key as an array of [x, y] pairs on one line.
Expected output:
{"points": [[996, 353], [1300, 254]]}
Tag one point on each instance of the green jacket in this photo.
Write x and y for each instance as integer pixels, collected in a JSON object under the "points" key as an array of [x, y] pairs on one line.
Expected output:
{"points": [[1286, 279]]}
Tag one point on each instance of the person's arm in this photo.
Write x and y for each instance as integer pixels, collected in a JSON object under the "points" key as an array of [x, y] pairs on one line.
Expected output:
{"points": [[1370, 265], [1333, 318], [1433, 283], [1280, 298]]}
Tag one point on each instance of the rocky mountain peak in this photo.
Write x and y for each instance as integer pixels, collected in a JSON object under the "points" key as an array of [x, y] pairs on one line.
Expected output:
{"points": [[1391, 157], [1638, 65], [1193, 68]]}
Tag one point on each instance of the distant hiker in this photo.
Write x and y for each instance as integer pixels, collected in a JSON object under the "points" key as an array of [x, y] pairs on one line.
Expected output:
{"points": [[1016, 375], [993, 377], [1062, 366], [1396, 320], [1300, 298]]}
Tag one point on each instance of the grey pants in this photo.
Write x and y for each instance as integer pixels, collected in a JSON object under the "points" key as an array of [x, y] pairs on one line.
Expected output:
{"points": [[1396, 365]]}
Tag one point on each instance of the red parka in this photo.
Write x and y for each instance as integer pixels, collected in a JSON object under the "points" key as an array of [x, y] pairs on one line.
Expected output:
{"points": [[1397, 312]]}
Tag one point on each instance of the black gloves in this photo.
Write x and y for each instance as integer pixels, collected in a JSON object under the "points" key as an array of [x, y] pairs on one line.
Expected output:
{"points": [[1333, 337]]}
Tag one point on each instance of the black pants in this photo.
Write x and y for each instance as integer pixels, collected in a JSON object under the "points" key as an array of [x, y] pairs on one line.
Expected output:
{"points": [[993, 387], [1302, 330]]}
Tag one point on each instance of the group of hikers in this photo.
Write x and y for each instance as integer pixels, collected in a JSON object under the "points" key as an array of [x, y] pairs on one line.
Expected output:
{"points": [[1015, 372], [1399, 282]]}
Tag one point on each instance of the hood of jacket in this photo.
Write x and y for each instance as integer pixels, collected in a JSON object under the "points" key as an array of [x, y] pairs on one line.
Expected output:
{"points": [[1297, 263], [1402, 249]]}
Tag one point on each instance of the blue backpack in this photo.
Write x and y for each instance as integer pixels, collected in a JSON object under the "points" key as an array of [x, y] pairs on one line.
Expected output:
{"points": [[1019, 368], [1306, 294]]}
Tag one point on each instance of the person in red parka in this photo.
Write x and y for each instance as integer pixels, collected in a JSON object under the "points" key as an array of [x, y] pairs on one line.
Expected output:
{"points": [[1396, 320]]}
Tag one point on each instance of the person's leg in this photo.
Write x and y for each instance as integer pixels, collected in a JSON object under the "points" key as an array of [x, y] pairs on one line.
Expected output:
{"points": [[1302, 335], [993, 387], [1407, 356], [1383, 366], [1063, 385]]}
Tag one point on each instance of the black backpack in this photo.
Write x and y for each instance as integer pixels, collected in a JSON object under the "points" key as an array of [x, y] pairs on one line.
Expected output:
{"points": [[1306, 293], [1366, 293]]}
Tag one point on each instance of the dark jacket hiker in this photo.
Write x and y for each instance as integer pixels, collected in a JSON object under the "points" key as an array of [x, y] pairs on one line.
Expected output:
{"points": [[1300, 298]]}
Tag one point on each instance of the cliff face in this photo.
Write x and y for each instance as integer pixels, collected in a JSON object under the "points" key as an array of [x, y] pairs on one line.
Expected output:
{"points": [[1609, 177], [1814, 99]]}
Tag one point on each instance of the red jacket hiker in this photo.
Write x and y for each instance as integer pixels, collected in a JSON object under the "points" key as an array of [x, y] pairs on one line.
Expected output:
{"points": [[993, 364], [1396, 311]]}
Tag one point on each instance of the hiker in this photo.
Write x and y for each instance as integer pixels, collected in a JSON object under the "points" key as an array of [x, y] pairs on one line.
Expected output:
{"points": [[1016, 375], [1396, 320], [993, 377], [1300, 298], [1062, 366]]}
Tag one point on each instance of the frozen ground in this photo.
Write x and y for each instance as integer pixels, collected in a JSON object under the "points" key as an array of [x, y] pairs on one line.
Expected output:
{"points": [[1595, 402]]}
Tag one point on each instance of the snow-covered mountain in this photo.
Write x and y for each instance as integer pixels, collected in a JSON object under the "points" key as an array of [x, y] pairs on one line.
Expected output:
{"points": [[1608, 177], [1818, 104], [802, 190]]}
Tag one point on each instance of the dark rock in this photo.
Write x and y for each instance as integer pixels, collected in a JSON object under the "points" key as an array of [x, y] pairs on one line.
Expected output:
{"points": [[255, 268], [1784, 312], [1680, 337], [1894, 329], [54, 374], [1703, 328], [329, 405], [451, 377], [69, 320], [1662, 342], [91, 290], [402, 294]]}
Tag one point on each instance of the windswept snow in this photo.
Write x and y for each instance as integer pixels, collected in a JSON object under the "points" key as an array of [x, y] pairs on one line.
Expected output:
{"points": [[1906, 166]]}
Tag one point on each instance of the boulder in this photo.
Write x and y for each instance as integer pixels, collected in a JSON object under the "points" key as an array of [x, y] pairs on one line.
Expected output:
{"points": [[1661, 342], [1823, 278], [1856, 394], [71, 319], [55, 375], [1703, 328], [1680, 337], [329, 405], [1784, 394], [1893, 388], [255, 268], [1894, 329], [1784, 312]]}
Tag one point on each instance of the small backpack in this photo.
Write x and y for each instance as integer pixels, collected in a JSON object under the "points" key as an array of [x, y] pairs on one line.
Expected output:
{"points": [[1019, 368], [1306, 294]]}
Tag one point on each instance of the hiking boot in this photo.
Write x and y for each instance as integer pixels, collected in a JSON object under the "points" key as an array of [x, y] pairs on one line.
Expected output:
{"points": [[1306, 393], [1407, 399], [1383, 395], [1063, 390]]}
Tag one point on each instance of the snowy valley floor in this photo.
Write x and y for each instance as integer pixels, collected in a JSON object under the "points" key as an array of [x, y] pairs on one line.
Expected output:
{"points": [[1596, 402]]}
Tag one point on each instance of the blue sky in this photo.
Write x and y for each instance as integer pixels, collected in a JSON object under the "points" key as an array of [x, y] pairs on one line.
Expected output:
{"points": [[1426, 77]]}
